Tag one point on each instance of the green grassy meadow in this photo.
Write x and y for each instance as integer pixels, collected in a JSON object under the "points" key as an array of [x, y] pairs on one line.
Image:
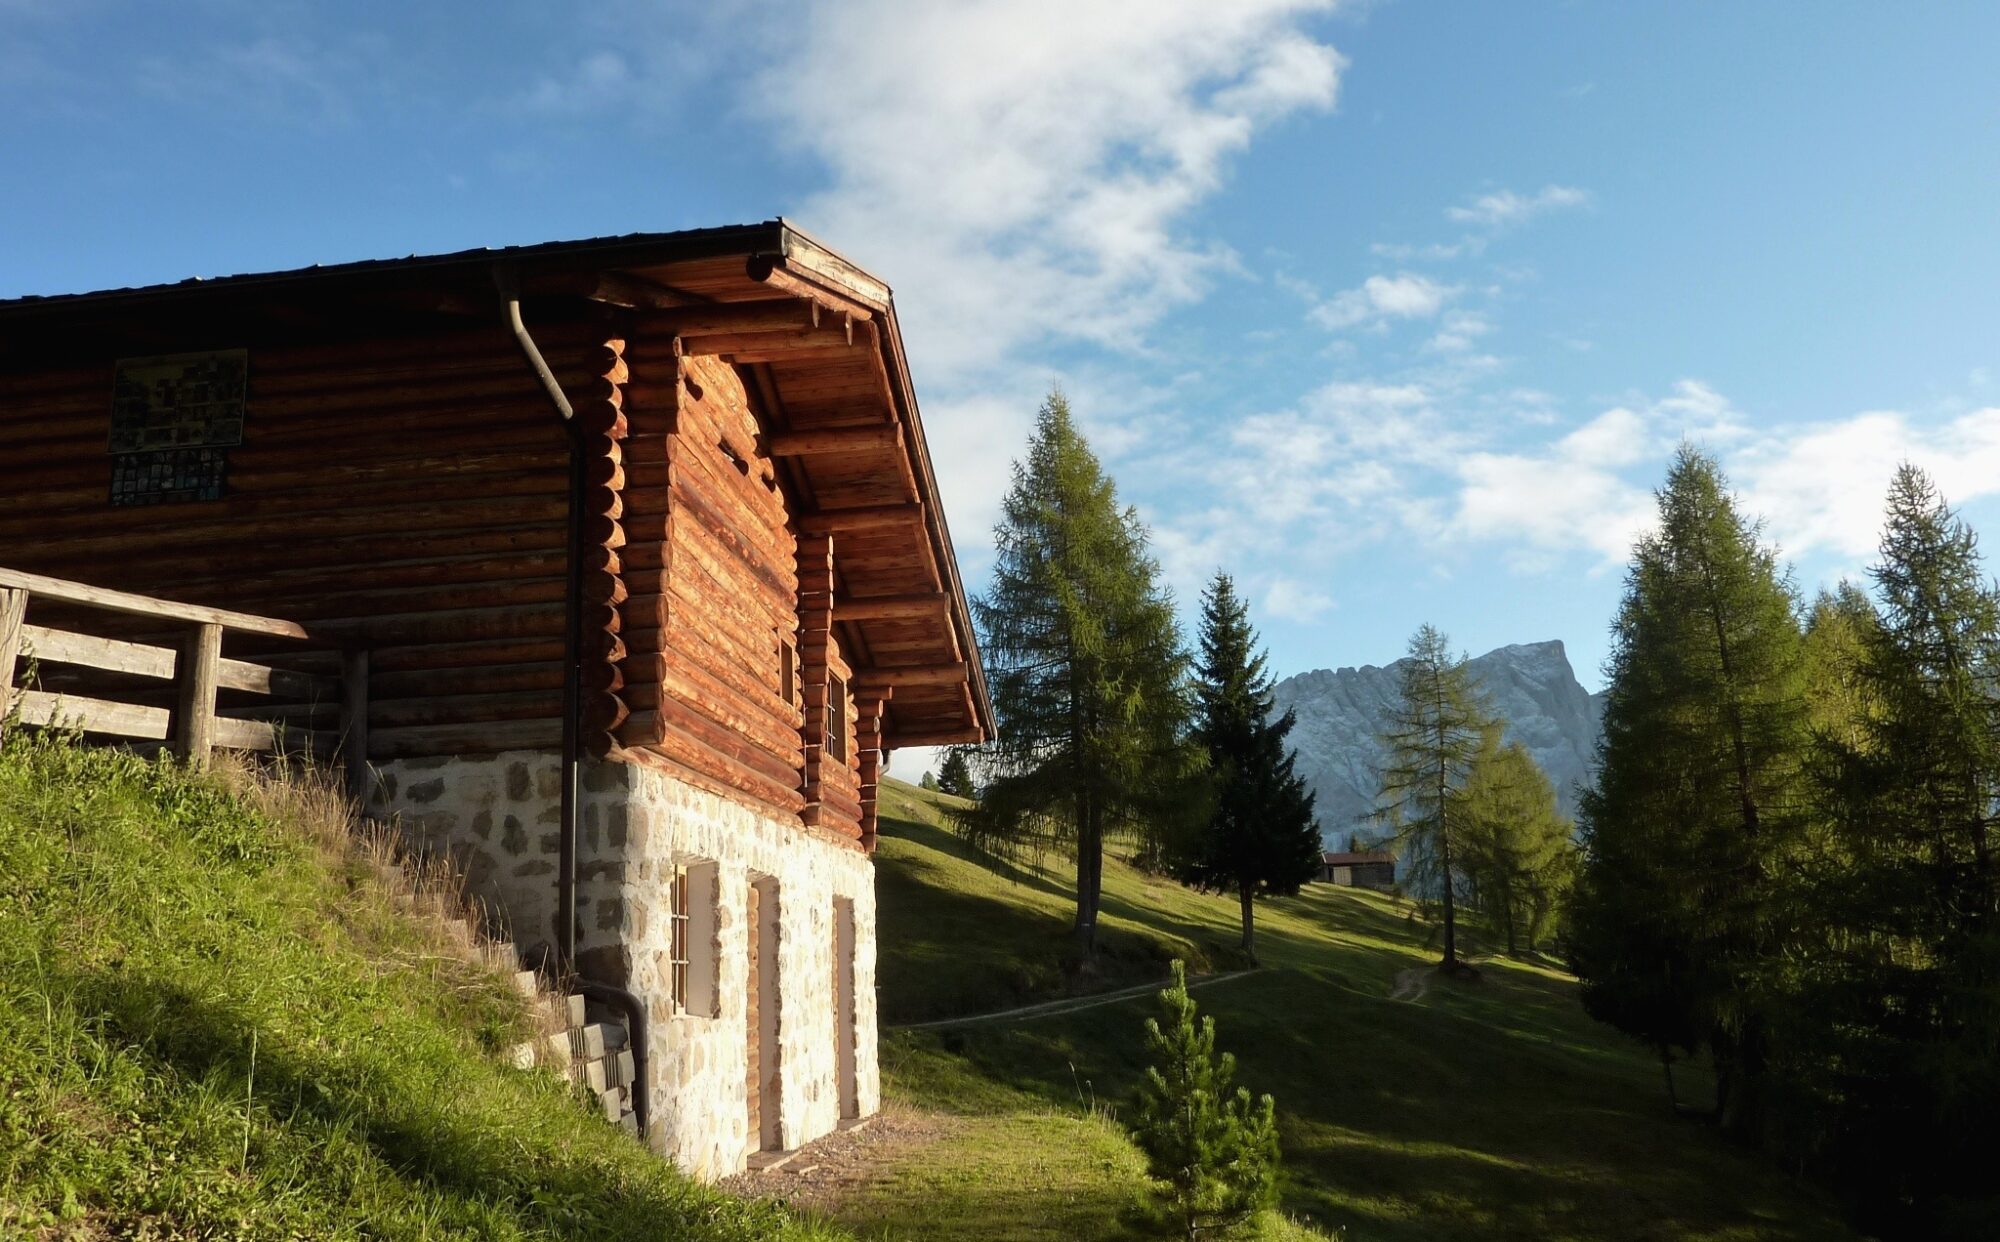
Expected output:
{"points": [[1486, 1109], [217, 1023]]}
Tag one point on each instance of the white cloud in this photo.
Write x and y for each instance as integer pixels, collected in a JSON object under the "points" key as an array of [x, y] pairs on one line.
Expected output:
{"points": [[1026, 164], [1589, 489], [1296, 601], [1405, 295], [1458, 332], [1502, 208], [1821, 486]]}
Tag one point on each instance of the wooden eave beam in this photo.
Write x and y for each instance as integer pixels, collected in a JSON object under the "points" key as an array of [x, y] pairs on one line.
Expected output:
{"points": [[781, 346], [769, 271], [611, 288], [867, 517], [785, 314], [891, 607], [911, 675], [834, 440]]}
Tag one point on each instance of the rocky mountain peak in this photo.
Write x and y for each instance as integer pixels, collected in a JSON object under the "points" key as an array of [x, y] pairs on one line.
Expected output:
{"points": [[1343, 712]]}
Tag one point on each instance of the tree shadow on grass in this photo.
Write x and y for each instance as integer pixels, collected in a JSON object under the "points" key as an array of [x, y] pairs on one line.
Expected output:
{"points": [[1443, 1128]]}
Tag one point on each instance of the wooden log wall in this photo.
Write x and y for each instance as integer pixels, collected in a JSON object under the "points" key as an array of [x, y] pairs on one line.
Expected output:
{"points": [[407, 492], [710, 564]]}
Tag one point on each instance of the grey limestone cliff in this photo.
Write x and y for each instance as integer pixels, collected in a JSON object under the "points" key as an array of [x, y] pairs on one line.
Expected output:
{"points": [[1342, 713]]}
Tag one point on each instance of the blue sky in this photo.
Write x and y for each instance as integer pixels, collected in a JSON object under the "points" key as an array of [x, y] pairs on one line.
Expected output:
{"points": [[1395, 309]]}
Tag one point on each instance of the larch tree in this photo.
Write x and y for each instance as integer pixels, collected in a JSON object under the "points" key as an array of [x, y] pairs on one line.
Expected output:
{"points": [[1910, 1007], [1260, 837], [1696, 801], [1433, 742], [1086, 668], [1517, 846]]}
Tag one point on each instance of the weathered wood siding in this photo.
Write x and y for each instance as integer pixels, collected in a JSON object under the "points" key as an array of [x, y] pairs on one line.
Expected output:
{"points": [[713, 610], [408, 491]]}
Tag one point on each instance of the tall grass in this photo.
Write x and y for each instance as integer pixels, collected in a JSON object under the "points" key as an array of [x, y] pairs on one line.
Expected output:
{"points": [[224, 1013]]}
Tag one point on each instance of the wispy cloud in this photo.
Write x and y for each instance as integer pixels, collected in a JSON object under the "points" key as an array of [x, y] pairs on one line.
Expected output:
{"points": [[1504, 208], [1405, 295]]}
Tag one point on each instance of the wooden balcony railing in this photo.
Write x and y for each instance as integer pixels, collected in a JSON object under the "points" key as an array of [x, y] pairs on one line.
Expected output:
{"points": [[187, 696]]}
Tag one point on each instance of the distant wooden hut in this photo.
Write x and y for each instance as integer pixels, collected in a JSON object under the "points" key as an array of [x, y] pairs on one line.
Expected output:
{"points": [[1374, 869], [640, 541]]}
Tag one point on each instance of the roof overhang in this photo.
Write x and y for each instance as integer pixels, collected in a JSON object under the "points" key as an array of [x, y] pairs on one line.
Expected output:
{"points": [[843, 408]]}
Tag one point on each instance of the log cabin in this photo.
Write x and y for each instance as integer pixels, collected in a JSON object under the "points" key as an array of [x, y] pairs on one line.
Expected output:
{"points": [[1374, 869], [640, 544]]}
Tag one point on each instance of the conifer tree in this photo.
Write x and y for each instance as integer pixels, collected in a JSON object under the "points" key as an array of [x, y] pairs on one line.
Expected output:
{"points": [[955, 777], [1433, 740], [1087, 672], [1260, 837], [1910, 999], [1213, 1152], [1695, 805], [1518, 847], [928, 781]]}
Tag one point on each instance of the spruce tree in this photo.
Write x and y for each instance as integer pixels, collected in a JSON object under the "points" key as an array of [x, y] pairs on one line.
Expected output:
{"points": [[1675, 927], [955, 778], [1260, 838], [1433, 741], [1909, 1001], [1213, 1152], [1086, 668]]}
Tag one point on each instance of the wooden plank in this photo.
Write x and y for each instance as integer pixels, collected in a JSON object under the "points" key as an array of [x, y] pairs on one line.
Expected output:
{"points": [[38, 707], [195, 677], [114, 655], [13, 607], [787, 314], [923, 606], [248, 734], [111, 655], [145, 606], [834, 440], [878, 518], [912, 675]]}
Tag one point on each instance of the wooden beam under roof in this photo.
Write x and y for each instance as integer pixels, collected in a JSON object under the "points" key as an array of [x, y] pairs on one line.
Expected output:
{"points": [[834, 440], [916, 607], [912, 675], [866, 517]]}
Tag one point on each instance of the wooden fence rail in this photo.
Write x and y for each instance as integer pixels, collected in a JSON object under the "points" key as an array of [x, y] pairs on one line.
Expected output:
{"points": [[190, 719]]}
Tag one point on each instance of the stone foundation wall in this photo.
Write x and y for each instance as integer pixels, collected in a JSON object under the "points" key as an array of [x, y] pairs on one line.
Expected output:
{"points": [[497, 816]]}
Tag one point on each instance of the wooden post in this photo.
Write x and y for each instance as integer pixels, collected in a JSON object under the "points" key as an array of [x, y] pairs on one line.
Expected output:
{"points": [[195, 677], [354, 724], [13, 609]]}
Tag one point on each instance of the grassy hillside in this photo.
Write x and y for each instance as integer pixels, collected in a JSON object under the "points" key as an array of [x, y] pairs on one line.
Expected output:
{"points": [[216, 1023], [1491, 1109]]}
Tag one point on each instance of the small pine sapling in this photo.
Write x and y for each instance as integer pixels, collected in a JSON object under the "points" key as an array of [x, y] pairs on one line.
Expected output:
{"points": [[1212, 1153]]}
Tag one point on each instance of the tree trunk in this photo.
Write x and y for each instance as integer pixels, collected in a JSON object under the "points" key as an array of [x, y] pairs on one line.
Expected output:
{"points": [[1511, 951], [1089, 881], [1246, 889], [1667, 1068]]}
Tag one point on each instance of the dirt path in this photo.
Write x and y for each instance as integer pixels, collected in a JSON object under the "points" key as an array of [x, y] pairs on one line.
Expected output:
{"points": [[827, 1170], [1412, 985], [1072, 1004]]}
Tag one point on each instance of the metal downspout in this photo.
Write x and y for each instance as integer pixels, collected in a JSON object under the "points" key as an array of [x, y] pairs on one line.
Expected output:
{"points": [[572, 716]]}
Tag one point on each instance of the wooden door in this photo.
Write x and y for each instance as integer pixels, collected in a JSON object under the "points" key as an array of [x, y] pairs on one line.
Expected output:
{"points": [[753, 1027], [843, 1007]]}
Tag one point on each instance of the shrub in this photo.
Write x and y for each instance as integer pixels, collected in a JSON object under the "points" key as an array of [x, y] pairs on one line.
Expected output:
{"points": [[1212, 1153]]}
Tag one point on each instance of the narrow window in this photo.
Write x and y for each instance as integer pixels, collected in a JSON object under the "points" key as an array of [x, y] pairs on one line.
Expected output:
{"points": [[788, 670], [677, 938], [836, 718]]}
